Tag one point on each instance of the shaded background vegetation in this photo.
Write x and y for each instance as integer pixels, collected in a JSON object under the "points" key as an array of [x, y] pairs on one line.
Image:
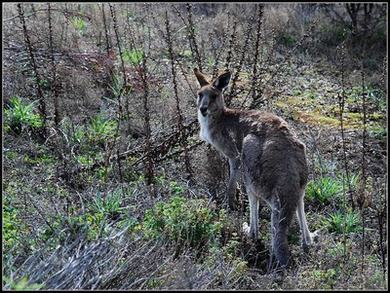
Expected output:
{"points": [[106, 183]]}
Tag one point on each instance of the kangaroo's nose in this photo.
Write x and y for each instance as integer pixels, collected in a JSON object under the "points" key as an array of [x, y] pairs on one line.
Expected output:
{"points": [[203, 110]]}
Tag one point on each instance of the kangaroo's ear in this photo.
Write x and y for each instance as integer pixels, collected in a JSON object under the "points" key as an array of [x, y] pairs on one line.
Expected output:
{"points": [[222, 81], [201, 77]]}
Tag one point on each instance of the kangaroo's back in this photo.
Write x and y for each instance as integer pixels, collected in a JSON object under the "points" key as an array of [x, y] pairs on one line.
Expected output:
{"points": [[272, 151]]}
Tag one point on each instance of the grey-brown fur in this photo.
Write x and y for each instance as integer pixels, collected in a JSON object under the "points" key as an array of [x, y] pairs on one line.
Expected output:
{"points": [[273, 160]]}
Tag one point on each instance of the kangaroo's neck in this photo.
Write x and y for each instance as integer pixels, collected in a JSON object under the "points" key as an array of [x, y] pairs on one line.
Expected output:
{"points": [[221, 122]]}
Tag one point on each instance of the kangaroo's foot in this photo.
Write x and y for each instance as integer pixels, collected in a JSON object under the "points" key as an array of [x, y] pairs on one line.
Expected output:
{"points": [[310, 240], [246, 229]]}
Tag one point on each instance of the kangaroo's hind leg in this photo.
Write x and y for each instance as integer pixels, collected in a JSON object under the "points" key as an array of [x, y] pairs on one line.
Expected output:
{"points": [[234, 165], [306, 235], [251, 153], [254, 215]]}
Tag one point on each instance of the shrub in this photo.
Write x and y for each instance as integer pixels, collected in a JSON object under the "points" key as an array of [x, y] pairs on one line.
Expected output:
{"points": [[39, 159], [323, 189], [379, 133], [20, 116], [184, 221]]}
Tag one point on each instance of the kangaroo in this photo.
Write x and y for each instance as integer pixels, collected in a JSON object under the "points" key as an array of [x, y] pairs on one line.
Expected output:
{"points": [[273, 160]]}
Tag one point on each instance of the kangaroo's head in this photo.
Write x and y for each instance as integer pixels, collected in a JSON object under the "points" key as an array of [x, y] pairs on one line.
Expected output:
{"points": [[210, 100]]}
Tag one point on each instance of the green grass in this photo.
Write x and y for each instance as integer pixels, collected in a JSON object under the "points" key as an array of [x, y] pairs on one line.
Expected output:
{"points": [[78, 23], [333, 34], [11, 226], [134, 57], [101, 129], [40, 159], [306, 106], [327, 277], [183, 221], [176, 188], [287, 39], [116, 87], [85, 160], [21, 284], [21, 116], [186, 53], [14, 229], [340, 222], [109, 205], [374, 96], [323, 189], [379, 133]]}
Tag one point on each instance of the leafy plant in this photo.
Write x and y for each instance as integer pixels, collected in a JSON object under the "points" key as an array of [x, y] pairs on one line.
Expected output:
{"points": [[85, 160], [94, 222], [15, 232], [323, 189], [133, 57], [374, 96], [354, 181], [341, 222], [327, 277], [310, 94], [91, 224], [11, 226], [78, 23], [187, 53], [333, 34], [40, 159], [22, 284], [101, 129], [379, 133], [184, 221], [109, 205], [21, 116], [231, 248], [78, 134], [176, 189], [117, 84], [338, 249], [287, 39]]}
